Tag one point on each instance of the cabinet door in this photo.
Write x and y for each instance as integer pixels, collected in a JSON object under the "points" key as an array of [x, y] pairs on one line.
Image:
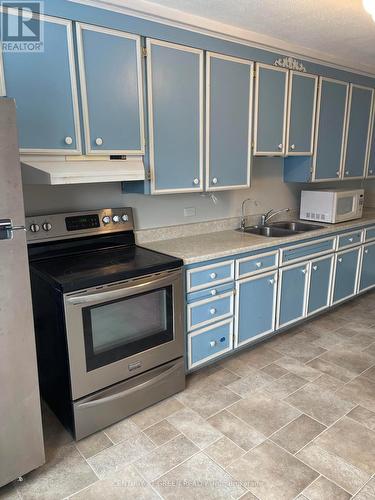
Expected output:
{"points": [[371, 155], [346, 270], [270, 110], [175, 109], [255, 307], [357, 131], [320, 284], [111, 89], [301, 113], [292, 294], [329, 136], [228, 122], [44, 87], [367, 279]]}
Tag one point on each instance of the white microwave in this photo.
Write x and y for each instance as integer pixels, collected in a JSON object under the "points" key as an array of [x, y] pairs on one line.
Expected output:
{"points": [[332, 205]]}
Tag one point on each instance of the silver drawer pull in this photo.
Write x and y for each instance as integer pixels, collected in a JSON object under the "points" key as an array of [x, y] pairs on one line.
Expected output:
{"points": [[303, 271], [213, 310], [292, 147], [340, 259], [99, 141], [212, 343], [196, 181], [68, 140], [280, 146], [271, 281], [366, 251], [213, 292], [213, 276], [315, 268], [259, 264], [351, 240]]}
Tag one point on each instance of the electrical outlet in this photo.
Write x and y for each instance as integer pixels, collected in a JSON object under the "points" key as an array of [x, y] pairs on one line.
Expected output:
{"points": [[190, 212]]}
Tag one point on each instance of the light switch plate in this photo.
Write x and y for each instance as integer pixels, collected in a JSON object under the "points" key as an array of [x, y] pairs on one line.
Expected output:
{"points": [[190, 212]]}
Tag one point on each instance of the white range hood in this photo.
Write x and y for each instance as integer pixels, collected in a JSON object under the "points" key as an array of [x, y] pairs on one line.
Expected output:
{"points": [[80, 170]]}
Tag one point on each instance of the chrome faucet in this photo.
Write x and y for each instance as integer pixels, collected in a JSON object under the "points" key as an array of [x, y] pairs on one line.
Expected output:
{"points": [[268, 215], [243, 218]]}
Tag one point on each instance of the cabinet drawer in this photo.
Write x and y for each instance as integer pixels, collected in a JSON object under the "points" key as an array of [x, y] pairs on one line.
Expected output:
{"points": [[248, 266], [300, 252], [208, 311], [207, 293], [370, 233], [209, 343], [349, 239], [212, 274]]}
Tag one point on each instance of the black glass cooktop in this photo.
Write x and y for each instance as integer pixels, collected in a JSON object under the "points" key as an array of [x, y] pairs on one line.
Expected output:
{"points": [[72, 267]]}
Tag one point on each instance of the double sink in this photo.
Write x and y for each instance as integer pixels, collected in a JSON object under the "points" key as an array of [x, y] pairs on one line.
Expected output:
{"points": [[281, 228]]}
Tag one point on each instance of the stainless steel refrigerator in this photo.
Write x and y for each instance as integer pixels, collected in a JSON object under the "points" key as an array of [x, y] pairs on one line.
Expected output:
{"points": [[21, 438]]}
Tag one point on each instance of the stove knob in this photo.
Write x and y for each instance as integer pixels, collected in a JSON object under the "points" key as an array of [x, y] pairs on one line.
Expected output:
{"points": [[124, 217], [106, 219], [47, 226], [116, 219], [34, 228]]}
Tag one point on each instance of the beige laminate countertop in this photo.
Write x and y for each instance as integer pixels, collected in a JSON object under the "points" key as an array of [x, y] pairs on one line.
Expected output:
{"points": [[192, 249]]}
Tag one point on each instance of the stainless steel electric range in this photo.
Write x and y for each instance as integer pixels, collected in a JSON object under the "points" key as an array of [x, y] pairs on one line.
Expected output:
{"points": [[108, 318]]}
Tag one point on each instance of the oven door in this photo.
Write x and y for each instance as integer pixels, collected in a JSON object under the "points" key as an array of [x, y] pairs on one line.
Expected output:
{"points": [[120, 330]]}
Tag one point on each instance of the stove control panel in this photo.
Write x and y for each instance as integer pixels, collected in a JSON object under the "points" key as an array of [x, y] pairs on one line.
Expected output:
{"points": [[78, 224]]}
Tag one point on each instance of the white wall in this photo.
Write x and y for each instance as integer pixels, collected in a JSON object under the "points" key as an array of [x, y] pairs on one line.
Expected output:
{"points": [[267, 188]]}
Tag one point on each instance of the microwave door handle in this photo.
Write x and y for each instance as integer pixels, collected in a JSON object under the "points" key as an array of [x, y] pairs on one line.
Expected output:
{"points": [[121, 292], [143, 385]]}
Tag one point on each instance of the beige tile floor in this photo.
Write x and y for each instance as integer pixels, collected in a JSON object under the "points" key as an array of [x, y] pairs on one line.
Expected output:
{"points": [[293, 418]]}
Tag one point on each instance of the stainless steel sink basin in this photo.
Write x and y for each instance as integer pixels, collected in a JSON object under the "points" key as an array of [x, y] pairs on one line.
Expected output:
{"points": [[268, 231], [296, 226]]}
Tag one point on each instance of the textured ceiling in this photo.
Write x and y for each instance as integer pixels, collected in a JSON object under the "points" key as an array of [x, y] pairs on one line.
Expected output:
{"points": [[338, 28]]}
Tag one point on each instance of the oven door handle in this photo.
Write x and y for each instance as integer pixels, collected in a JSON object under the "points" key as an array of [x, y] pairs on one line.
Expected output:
{"points": [[143, 385], [121, 292]]}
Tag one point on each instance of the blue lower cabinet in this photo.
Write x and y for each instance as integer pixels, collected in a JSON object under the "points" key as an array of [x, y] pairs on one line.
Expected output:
{"points": [[292, 294], [210, 342], [367, 279], [346, 267], [320, 281], [256, 307], [208, 311]]}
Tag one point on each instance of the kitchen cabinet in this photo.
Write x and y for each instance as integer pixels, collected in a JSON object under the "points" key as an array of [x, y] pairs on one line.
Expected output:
{"points": [[293, 283], [255, 307], [229, 82], [271, 96], [175, 112], [320, 284], [346, 270], [371, 152], [329, 137], [357, 131], [367, 275], [301, 114], [111, 90], [44, 87]]}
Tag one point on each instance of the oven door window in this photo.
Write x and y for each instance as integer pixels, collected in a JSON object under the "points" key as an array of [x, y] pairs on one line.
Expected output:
{"points": [[125, 327], [345, 205]]}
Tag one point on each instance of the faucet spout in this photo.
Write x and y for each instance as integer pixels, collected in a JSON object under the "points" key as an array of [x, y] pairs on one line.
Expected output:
{"points": [[271, 213]]}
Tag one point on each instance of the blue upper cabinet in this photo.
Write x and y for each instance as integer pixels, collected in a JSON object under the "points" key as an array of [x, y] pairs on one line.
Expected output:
{"points": [[175, 111], [44, 87], [111, 89], [301, 114], [329, 137], [357, 131], [228, 122], [271, 91], [371, 155]]}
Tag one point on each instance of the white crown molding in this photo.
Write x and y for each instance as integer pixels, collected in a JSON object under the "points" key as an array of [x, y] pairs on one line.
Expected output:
{"points": [[174, 17]]}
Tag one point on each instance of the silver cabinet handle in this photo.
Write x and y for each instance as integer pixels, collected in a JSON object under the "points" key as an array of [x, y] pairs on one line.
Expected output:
{"points": [[370, 172], [68, 140], [292, 147], [303, 271], [351, 239], [280, 146], [196, 181], [212, 311], [315, 268], [213, 292], [347, 172], [271, 281], [338, 173], [99, 141], [258, 264], [339, 259], [366, 251], [215, 180], [212, 343], [213, 276]]}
